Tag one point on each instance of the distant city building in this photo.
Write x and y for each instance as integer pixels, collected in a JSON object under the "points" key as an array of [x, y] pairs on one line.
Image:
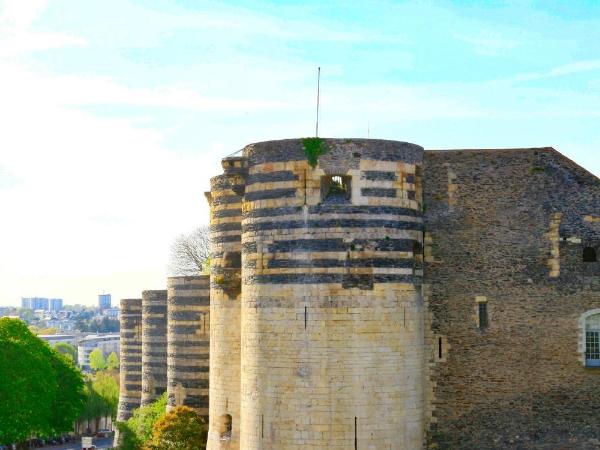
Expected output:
{"points": [[108, 343], [54, 339], [111, 312], [35, 303], [56, 304], [104, 301], [61, 324]]}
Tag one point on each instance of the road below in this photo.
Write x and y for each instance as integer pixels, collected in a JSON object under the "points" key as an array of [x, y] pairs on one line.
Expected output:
{"points": [[100, 443]]}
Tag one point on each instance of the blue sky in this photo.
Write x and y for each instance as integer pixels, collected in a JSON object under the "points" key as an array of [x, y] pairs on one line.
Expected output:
{"points": [[115, 113]]}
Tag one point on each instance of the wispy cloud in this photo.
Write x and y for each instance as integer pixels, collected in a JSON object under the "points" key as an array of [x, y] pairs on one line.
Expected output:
{"points": [[488, 42], [560, 71], [29, 42]]}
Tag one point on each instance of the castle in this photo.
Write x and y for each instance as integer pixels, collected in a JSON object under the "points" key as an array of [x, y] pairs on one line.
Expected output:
{"points": [[368, 294]]}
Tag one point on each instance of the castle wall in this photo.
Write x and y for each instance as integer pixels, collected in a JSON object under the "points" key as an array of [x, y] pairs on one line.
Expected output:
{"points": [[130, 371], [225, 297], [507, 228], [188, 342], [332, 314], [154, 345]]}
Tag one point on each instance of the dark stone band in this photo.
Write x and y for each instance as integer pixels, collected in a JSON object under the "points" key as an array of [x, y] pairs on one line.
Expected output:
{"points": [[332, 223], [378, 192], [268, 177], [350, 263], [334, 245], [270, 194], [378, 175], [322, 278]]}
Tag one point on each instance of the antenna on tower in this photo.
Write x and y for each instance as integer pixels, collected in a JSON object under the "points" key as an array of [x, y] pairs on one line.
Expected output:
{"points": [[318, 93]]}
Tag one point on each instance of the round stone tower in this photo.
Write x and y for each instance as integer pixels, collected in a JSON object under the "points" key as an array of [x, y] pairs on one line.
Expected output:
{"points": [[130, 372], [154, 345], [188, 342], [225, 296], [332, 318]]}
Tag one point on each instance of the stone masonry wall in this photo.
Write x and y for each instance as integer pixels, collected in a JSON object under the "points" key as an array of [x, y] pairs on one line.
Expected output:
{"points": [[188, 342], [225, 313], [507, 228], [130, 373], [332, 314], [154, 345]]}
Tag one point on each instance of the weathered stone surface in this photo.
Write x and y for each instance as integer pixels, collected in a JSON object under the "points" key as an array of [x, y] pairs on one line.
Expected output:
{"points": [[331, 329], [225, 312], [130, 372], [154, 345], [510, 226], [188, 322]]}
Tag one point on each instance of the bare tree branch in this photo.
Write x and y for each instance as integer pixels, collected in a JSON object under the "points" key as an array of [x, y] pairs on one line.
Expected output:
{"points": [[190, 252]]}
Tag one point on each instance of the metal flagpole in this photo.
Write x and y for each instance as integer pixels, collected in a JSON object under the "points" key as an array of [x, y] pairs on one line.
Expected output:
{"points": [[318, 93]]}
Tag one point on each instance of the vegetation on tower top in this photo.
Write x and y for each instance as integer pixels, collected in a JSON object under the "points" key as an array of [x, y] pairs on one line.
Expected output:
{"points": [[313, 148]]}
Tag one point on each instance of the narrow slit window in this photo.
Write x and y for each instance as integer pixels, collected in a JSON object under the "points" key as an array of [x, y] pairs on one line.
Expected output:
{"points": [[356, 433], [440, 348], [305, 316], [590, 254], [483, 315], [336, 189]]}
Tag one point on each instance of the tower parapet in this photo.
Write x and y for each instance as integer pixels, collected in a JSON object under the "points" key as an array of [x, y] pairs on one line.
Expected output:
{"points": [[188, 342], [154, 345]]}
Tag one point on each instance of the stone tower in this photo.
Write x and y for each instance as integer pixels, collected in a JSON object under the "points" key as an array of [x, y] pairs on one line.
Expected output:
{"points": [[188, 342], [130, 373], [225, 305], [330, 319], [154, 345]]}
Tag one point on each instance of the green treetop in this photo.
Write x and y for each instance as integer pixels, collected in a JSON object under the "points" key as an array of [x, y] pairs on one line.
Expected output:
{"points": [[97, 361], [68, 350], [181, 429], [112, 361], [41, 391]]}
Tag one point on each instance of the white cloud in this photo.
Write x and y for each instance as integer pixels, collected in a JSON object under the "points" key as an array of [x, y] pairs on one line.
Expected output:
{"points": [[17, 15], [558, 71], [96, 197], [28, 42], [488, 42]]}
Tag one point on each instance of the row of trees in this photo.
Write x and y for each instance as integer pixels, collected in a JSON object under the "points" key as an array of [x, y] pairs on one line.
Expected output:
{"points": [[98, 362], [41, 391], [102, 398], [151, 428]]}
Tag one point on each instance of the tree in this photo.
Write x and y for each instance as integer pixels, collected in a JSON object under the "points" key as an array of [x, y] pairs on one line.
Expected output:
{"points": [[68, 350], [190, 252], [112, 362], [138, 429], [97, 361], [68, 402], [181, 429], [107, 388], [41, 391], [94, 404]]}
